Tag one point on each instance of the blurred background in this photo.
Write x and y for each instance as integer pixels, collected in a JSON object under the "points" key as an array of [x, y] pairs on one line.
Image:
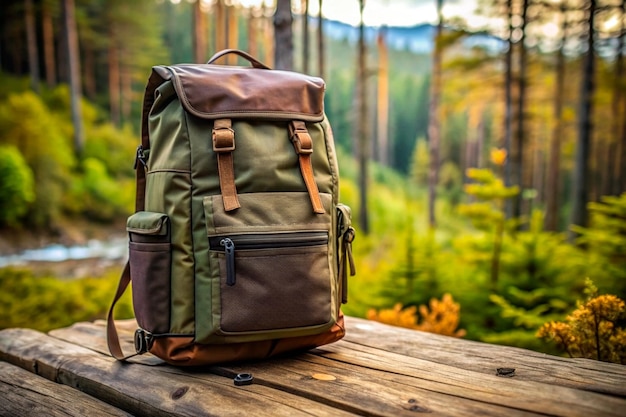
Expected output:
{"points": [[482, 148]]}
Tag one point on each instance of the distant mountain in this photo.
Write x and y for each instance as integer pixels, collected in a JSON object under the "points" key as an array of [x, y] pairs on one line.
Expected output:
{"points": [[417, 39]]}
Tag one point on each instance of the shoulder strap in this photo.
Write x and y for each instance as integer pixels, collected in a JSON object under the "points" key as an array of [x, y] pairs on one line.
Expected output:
{"points": [[154, 81], [113, 340]]}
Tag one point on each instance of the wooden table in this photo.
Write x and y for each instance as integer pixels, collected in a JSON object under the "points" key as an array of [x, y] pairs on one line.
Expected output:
{"points": [[376, 370]]}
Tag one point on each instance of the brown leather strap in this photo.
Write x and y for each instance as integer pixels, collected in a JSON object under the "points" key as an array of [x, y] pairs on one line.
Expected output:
{"points": [[113, 340], [223, 146], [303, 145]]}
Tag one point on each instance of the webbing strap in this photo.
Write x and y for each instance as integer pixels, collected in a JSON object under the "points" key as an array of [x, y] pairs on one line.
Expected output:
{"points": [[113, 340], [303, 145], [223, 146]]}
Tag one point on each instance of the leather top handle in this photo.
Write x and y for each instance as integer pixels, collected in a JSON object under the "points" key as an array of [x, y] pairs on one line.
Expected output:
{"points": [[255, 62]]}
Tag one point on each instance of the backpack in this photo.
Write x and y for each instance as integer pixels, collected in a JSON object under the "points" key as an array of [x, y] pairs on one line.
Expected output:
{"points": [[239, 248]]}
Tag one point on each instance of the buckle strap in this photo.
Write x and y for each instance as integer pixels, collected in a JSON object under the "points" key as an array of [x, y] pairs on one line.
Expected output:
{"points": [[223, 146], [303, 144]]}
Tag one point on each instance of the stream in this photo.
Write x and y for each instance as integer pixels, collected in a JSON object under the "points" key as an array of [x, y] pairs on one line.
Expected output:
{"points": [[109, 250]]}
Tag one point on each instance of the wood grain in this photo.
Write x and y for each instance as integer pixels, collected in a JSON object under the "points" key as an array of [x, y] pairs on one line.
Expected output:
{"points": [[584, 374], [26, 394], [376, 370], [147, 390]]}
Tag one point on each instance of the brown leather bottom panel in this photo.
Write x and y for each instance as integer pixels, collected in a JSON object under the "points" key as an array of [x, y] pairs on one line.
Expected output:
{"points": [[182, 351]]}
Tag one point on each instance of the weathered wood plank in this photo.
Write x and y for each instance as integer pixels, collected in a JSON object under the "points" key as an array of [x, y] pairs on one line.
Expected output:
{"points": [[515, 394], [356, 389], [26, 394], [371, 376], [148, 390], [485, 358], [365, 390]]}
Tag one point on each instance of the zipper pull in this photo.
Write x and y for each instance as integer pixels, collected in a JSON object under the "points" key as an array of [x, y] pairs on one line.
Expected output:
{"points": [[229, 251]]}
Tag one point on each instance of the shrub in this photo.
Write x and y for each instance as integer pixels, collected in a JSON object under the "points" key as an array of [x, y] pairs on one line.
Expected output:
{"points": [[592, 331], [16, 186]]}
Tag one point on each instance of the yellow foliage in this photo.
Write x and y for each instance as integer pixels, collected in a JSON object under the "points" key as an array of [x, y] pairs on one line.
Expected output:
{"points": [[442, 318], [591, 331], [498, 156]]}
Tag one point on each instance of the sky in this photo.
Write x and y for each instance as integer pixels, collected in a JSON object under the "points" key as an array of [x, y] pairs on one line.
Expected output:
{"points": [[391, 12]]}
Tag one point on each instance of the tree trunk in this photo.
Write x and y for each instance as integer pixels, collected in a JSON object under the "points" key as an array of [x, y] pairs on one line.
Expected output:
{"points": [[73, 63], [283, 36], [31, 41], [619, 164], [48, 45], [233, 32], [114, 84], [434, 129], [89, 72], [127, 92], [382, 100], [253, 33], [268, 36], [553, 186], [199, 34], [508, 107], [517, 157], [220, 25], [320, 42], [585, 109], [305, 36], [362, 131]]}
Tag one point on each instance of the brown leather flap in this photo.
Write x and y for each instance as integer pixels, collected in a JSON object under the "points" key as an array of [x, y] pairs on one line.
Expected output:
{"points": [[216, 91]]}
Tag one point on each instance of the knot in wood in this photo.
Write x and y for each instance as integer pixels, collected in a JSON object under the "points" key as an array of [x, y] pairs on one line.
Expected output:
{"points": [[179, 392]]}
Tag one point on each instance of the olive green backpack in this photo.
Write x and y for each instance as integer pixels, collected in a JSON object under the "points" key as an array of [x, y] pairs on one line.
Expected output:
{"points": [[239, 247]]}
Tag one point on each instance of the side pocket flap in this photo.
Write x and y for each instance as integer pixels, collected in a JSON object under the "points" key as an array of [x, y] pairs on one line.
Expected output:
{"points": [[147, 223]]}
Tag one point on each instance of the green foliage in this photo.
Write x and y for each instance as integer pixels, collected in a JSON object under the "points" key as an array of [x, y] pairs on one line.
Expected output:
{"points": [[45, 303], [27, 124], [413, 278], [99, 187], [16, 186], [113, 147], [420, 163], [605, 241], [97, 196]]}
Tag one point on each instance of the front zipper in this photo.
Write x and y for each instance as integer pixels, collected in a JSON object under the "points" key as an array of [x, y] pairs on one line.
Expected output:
{"points": [[229, 250], [227, 244]]}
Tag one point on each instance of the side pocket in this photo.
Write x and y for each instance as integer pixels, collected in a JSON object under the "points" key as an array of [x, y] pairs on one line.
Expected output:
{"points": [[150, 264]]}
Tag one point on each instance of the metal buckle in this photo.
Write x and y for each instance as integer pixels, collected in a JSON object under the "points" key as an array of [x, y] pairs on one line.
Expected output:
{"points": [[143, 341]]}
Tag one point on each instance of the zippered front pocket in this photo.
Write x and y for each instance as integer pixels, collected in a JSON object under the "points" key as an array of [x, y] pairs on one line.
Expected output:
{"points": [[263, 241], [273, 281]]}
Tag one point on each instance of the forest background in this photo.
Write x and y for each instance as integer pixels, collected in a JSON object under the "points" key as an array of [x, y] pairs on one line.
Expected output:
{"points": [[486, 170]]}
